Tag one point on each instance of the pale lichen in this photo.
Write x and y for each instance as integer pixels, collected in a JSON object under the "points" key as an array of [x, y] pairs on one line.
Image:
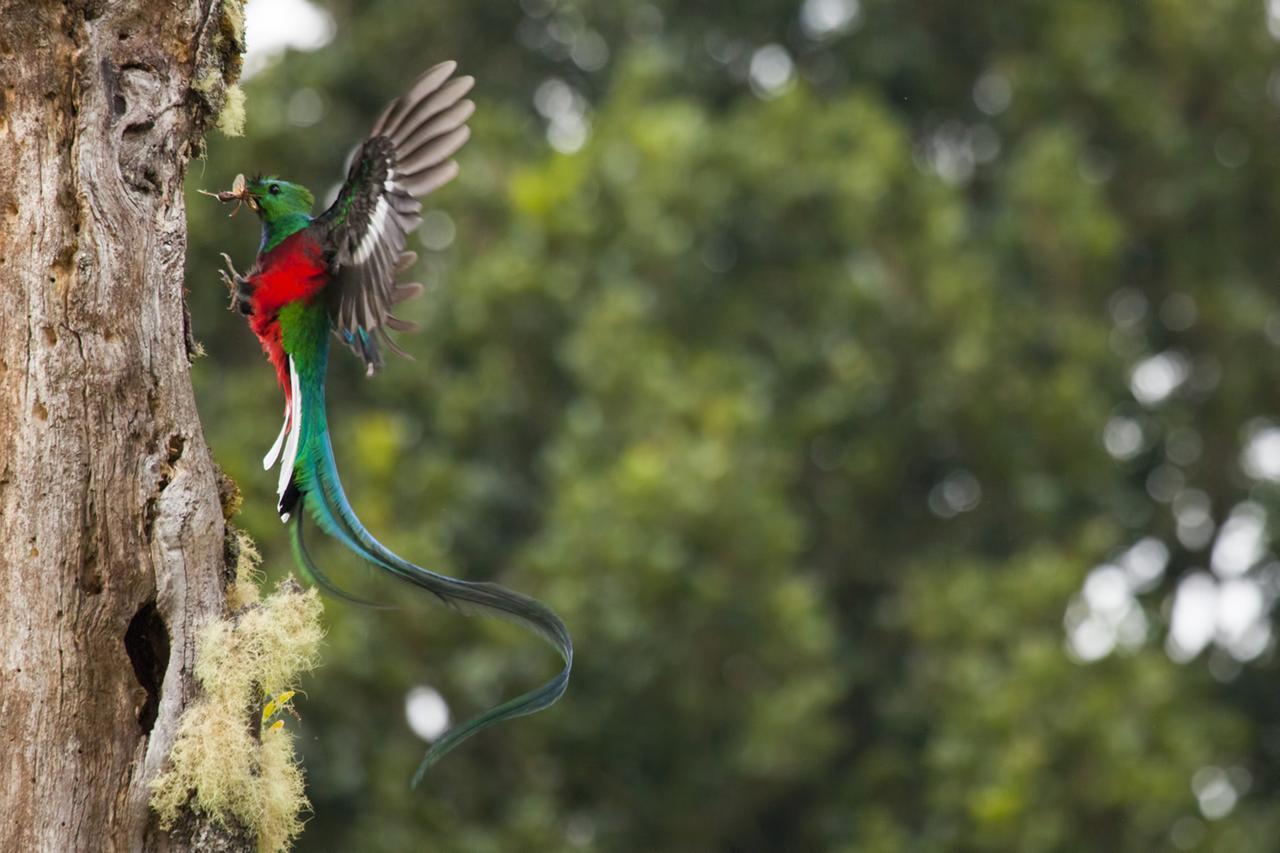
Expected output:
{"points": [[231, 24], [243, 589], [218, 68], [232, 116], [224, 764]]}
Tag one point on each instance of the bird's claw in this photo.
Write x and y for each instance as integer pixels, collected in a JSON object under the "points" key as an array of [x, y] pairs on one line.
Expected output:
{"points": [[231, 267], [237, 285]]}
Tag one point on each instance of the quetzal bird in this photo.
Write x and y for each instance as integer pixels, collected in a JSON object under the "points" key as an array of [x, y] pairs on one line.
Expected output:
{"points": [[335, 273]]}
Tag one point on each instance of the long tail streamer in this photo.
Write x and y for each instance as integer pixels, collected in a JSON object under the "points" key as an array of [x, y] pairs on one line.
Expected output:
{"points": [[315, 480]]}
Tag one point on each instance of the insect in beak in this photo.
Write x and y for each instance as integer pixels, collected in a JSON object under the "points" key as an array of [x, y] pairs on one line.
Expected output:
{"points": [[239, 193]]}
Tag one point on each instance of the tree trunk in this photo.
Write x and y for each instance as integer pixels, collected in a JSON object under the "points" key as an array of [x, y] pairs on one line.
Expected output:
{"points": [[111, 531]]}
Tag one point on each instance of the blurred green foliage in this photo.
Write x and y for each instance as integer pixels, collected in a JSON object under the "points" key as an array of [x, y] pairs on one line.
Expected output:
{"points": [[786, 382]]}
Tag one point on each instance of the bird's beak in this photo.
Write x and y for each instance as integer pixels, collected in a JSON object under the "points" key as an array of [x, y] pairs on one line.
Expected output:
{"points": [[238, 193]]}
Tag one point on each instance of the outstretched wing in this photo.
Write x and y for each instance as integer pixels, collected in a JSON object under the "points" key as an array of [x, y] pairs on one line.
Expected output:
{"points": [[405, 157]]}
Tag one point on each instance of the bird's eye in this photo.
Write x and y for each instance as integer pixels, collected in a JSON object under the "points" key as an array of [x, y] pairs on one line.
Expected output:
{"points": [[274, 189]]}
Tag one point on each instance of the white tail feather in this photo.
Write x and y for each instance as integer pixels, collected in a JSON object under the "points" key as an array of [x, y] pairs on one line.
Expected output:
{"points": [[295, 429], [274, 453]]}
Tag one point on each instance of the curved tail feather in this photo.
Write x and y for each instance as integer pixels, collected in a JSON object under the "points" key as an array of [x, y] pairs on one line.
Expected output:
{"points": [[327, 503], [313, 573], [314, 482]]}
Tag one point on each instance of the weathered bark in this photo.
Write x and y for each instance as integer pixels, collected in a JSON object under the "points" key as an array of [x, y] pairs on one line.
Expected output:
{"points": [[111, 532]]}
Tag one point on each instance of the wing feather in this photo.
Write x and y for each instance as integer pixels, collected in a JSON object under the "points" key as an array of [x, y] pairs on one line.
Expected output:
{"points": [[451, 119], [407, 156], [433, 179], [434, 151], [425, 85], [437, 102]]}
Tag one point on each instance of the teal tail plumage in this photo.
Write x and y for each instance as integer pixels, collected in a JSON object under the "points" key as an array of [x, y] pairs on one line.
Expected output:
{"points": [[315, 484]]}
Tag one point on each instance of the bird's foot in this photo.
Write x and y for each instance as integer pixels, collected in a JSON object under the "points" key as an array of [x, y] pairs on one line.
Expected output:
{"points": [[237, 285]]}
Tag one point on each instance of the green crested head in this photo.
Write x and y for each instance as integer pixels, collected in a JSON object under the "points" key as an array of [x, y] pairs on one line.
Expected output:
{"points": [[283, 207], [275, 200]]}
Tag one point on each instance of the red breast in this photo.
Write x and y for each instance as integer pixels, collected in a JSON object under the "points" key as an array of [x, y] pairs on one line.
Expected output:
{"points": [[291, 271]]}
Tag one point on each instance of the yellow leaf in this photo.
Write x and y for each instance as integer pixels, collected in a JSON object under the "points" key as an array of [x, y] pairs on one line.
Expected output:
{"points": [[277, 704]]}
